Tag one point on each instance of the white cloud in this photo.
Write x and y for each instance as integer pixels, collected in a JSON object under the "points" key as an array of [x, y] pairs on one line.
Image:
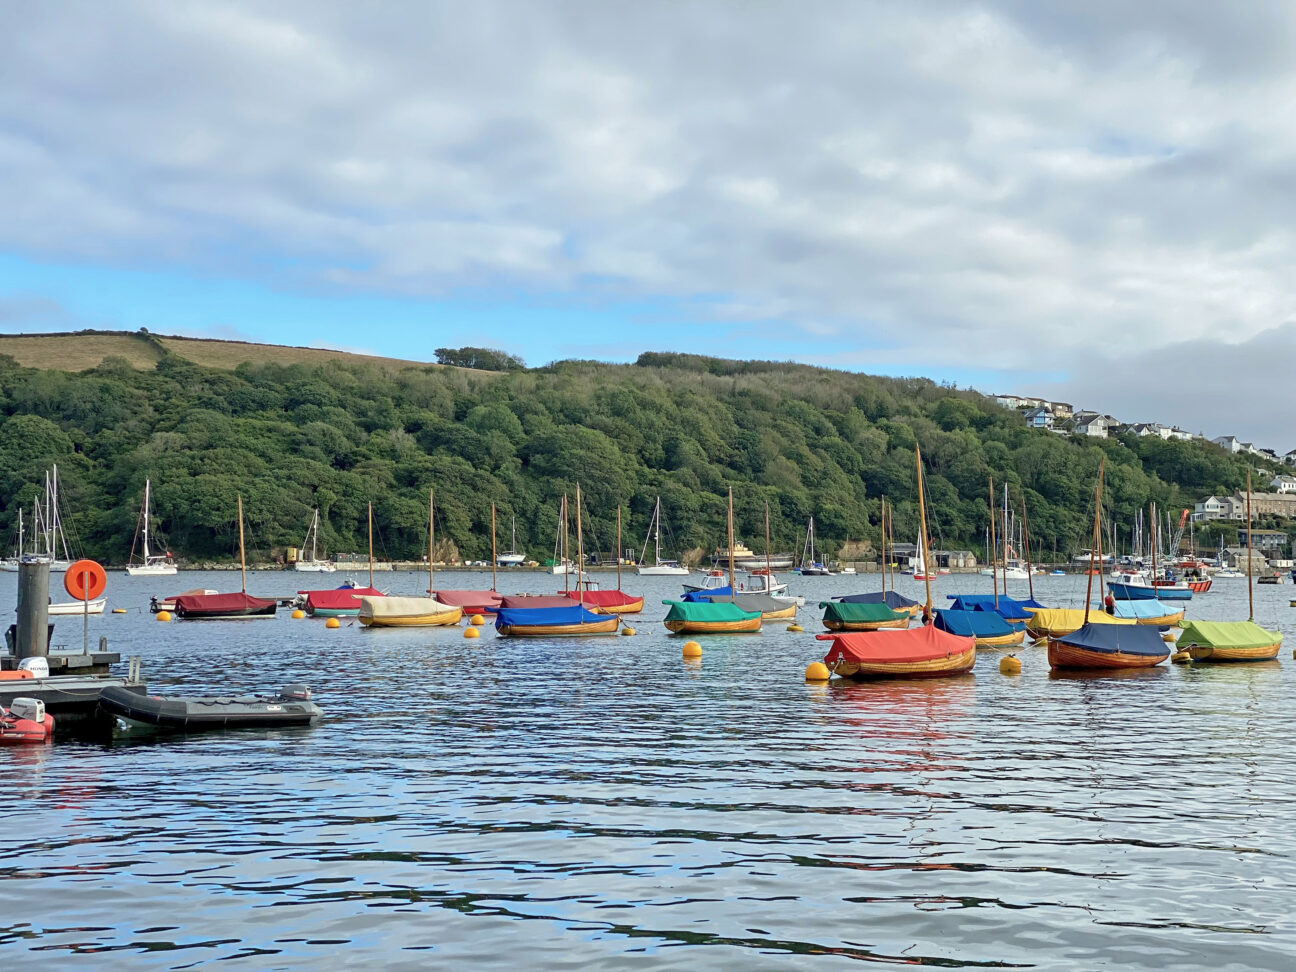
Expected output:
{"points": [[934, 179]]}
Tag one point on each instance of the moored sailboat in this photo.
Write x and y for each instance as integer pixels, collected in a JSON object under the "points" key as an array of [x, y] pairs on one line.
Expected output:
{"points": [[313, 563], [692, 616], [412, 612], [226, 607], [151, 564], [658, 567]]}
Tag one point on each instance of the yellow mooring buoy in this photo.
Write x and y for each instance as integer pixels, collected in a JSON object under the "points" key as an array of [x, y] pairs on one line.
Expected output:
{"points": [[298, 614], [332, 623], [692, 650], [1180, 657], [164, 615], [1010, 665], [628, 631], [476, 619], [817, 672], [471, 633], [795, 627], [119, 610]]}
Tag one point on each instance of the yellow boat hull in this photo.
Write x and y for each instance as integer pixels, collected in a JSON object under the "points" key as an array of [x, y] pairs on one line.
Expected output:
{"points": [[779, 614], [634, 607], [744, 626], [439, 619], [959, 664], [1003, 641], [1061, 655], [1216, 654], [1165, 620], [866, 625]]}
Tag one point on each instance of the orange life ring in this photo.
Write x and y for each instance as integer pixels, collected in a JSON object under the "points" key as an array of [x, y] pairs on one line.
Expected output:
{"points": [[85, 580]]}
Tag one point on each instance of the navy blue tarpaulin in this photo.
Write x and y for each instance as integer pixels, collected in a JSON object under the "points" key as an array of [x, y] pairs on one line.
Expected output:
{"points": [[974, 624], [702, 597], [1009, 608], [1111, 639]]}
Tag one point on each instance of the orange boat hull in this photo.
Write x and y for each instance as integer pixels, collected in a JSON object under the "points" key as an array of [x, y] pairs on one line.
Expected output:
{"points": [[1061, 655], [744, 626], [959, 663], [1209, 653]]}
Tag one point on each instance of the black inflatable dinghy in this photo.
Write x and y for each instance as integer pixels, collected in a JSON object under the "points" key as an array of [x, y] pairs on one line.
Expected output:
{"points": [[291, 707]]}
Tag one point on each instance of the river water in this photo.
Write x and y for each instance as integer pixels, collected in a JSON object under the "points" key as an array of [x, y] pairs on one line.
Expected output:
{"points": [[602, 802]]}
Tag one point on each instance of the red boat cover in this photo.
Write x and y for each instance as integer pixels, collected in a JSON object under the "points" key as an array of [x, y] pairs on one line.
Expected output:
{"points": [[340, 599], [220, 603], [898, 645], [475, 601], [534, 601], [604, 598]]}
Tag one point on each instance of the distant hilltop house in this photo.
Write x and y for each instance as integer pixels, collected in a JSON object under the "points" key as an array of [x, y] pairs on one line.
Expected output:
{"points": [[1233, 507], [1283, 484], [1059, 410], [1163, 431], [1235, 445], [1093, 424], [1290, 458], [1040, 418]]}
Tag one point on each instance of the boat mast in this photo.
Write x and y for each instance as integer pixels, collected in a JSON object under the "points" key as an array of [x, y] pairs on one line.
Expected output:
{"points": [[657, 534], [994, 544], [618, 550], [242, 560], [494, 555], [566, 557], [1156, 539], [1030, 574], [1250, 590], [20, 533], [371, 544], [926, 551], [769, 578], [431, 544], [1003, 522], [882, 542], [731, 542], [146, 519], [580, 552], [1097, 541]]}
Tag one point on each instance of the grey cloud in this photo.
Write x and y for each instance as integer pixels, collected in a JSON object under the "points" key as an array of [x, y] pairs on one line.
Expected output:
{"points": [[932, 177]]}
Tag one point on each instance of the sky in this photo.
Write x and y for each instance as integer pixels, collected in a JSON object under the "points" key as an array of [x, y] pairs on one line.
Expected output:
{"points": [[1090, 201]]}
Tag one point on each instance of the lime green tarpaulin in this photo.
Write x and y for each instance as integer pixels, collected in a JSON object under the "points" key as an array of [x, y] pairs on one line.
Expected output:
{"points": [[1226, 634], [699, 611], [856, 613]]}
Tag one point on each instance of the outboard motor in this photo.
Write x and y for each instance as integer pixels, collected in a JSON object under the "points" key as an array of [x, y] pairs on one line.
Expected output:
{"points": [[33, 709], [39, 667], [296, 692]]}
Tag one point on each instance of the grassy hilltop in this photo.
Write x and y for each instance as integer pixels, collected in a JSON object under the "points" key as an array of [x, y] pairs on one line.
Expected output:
{"points": [[292, 428]]}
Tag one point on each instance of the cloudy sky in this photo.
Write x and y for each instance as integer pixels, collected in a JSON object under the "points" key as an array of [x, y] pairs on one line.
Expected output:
{"points": [[1091, 200]]}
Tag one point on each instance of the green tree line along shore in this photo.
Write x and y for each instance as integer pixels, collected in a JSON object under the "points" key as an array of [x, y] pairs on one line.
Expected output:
{"points": [[809, 441]]}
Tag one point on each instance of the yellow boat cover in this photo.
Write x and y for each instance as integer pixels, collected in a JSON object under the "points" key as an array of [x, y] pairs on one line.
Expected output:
{"points": [[394, 608], [1070, 619]]}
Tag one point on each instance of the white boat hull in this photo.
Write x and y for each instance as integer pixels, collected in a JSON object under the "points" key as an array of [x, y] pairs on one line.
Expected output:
{"points": [[662, 571], [313, 567], [152, 570], [75, 607]]}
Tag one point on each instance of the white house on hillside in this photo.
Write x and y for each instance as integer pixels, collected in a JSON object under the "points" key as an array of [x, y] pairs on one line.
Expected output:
{"points": [[1040, 418], [1290, 458], [1091, 423], [1284, 484], [1213, 508]]}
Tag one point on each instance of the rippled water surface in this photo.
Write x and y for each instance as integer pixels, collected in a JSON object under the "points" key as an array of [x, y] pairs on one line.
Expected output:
{"points": [[603, 802]]}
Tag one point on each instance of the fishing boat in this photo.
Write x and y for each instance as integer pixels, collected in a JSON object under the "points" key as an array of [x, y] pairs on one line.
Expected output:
{"points": [[987, 628], [511, 557], [1233, 641], [313, 563], [843, 616], [290, 707], [658, 567], [710, 618], [922, 652], [226, 607], [1101, 642], [150, 564]]}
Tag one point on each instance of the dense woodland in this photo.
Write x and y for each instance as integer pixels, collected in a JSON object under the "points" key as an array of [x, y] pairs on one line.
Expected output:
{"points": [[807, 440]]}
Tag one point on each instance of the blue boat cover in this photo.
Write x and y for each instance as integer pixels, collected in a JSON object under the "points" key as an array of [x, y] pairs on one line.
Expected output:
{"points": [[1109, 639], [974, 624], [1140, 609], [890, 598], [1131, 592], [547, 616], [703, 597], [1010, 609]]}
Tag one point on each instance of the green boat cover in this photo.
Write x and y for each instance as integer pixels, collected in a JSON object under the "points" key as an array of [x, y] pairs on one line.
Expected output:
{"points": [[855, 613], [698, 611], [1225, 634]]}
